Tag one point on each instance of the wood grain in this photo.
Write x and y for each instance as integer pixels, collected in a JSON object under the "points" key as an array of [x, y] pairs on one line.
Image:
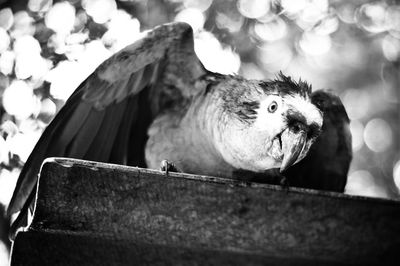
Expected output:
{"points": [[208, 216]]}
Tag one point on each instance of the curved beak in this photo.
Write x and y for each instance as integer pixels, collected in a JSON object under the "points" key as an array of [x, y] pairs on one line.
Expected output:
{"points": [[293, 143]]}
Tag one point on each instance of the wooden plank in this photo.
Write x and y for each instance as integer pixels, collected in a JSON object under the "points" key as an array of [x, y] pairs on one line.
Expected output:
{"points": [[67, 248], [206, 213]]}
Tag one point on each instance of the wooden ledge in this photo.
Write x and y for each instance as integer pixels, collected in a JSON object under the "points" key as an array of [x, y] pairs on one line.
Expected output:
{"points": [[207, 214]]}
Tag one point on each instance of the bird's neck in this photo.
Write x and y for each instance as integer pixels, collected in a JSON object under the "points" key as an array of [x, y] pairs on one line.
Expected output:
{"points": [[199, 128], [186, 138]]}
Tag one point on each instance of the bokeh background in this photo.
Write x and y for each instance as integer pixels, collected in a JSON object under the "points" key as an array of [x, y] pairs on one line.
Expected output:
{"points": [[48, 47]]}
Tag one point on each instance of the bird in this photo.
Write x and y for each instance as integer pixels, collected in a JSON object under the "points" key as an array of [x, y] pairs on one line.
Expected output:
{"points": [[154, 101]]}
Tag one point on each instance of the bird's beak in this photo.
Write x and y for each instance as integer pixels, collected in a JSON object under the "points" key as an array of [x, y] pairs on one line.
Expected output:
{"points": [[293, 142]]}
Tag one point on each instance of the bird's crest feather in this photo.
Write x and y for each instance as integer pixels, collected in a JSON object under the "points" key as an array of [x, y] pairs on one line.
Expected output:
{"points": [[285, 85]]}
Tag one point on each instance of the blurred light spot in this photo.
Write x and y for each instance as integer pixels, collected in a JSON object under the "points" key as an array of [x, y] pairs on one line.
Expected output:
{"points": [[192, 16], [253, 8], [80, 20], [275, 56], [314, 11], [26, 45], [76, 38], [74, 51], [122, 31], [358, 181], [4, 40], [3, 150], [327, 26], [43, 66], [28, 60], [61, 18], [7, 62], [48, 108], [25, 65], [39, 5], [8, 129], [271, 31], [30, 125], [293, 7], [345, 12], [305, 25], [18, 100], [396, 174], [22, 144], [95, 53], [357, 132], [57, 42], [371, 17], [8, 180], [4, 256], [393, 20], [362, 183], [314, 44], [201, 5], [231, 23], [100, 10], [357, 103], [391, 48], [378, 135], [6, 18], [67, 75], [251, 71], [23, 25], [215, 57], [321, 5], [64, 79]]}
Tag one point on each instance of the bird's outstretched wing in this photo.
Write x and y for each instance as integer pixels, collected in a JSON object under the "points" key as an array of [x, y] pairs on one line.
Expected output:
{"points": [[327, 164], [107, 117]]}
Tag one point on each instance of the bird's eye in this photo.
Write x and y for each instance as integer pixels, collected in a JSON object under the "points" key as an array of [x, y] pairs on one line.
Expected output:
{"points": [[273, 107]]}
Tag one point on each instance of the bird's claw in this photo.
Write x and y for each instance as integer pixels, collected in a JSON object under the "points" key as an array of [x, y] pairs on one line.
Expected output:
{"points": [[167, 166]]}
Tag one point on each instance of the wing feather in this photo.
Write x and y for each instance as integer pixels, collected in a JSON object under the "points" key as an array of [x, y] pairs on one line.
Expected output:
{"points": [[106, 134], [28, 176], [119, 152], [112, 95], [81, 140], [61, 136], [107, 117]]}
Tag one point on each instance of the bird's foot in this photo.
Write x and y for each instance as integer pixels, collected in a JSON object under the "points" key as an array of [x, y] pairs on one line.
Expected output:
{"points": [[167, 166]]}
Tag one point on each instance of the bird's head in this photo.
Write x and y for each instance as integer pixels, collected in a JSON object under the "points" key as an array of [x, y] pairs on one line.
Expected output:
{"points": [[273, 123]]}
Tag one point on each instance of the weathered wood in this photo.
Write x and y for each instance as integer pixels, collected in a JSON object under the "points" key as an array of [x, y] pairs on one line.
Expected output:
{"points": [[66, 248], [207, 216]]}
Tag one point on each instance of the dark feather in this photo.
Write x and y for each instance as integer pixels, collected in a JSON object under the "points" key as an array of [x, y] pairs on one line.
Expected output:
{"points": [[110, 110], [25, 185], [327, 164], [285, 85], [119, 151], [248, 111], [77, 133]]}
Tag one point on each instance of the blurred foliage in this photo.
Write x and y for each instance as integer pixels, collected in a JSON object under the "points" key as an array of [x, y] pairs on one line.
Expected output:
{"points": [[48, 47]]}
